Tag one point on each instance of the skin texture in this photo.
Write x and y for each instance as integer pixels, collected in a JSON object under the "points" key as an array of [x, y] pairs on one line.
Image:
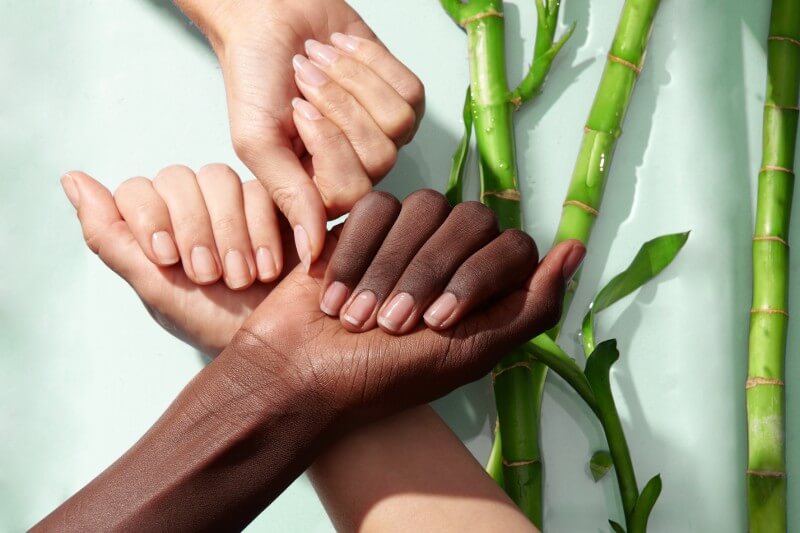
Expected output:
{"points": [[370, 101], [284, 388]]}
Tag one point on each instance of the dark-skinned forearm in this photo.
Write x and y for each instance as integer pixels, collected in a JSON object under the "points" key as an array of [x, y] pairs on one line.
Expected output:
{"points": [[230, 443]]}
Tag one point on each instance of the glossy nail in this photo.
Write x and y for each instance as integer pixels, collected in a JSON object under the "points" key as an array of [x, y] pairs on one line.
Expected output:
{"points": [[303, 246], [265, 263], [308, 72], [322, 53], [573, 262], [334, 298], [164, 248], [396, 312], [344, 42], [205, 268], [441, 310], [306, 110], [71, 190], [359, 311], [237, 272]]}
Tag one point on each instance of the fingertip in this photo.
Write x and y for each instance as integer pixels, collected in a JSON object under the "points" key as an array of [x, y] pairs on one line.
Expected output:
{"points": [[266, 265], [71, 190], [305, 109]]}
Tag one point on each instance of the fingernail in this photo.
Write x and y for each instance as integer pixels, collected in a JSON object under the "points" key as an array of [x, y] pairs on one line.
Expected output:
{"points": [[71, 190], [361, 309], [334, 298], [305, 108], [321, 52], [265, 262], [395, 314], [164, 248], [308, 72], [573, 262], [441, 310], [237, 272], [303, 246], [345, 42], [205, 268]]}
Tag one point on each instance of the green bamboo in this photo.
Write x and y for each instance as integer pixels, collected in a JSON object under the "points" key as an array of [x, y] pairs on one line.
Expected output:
{"points": [[492, 105], [766, 466]]}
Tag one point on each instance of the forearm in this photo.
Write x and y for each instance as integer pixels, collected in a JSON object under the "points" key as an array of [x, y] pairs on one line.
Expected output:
{"points": [[409, 472], [234, 438]]}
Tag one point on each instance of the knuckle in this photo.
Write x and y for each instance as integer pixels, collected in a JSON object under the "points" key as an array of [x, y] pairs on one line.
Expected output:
{"points": [[175, 171], [427, 265], [191, 222], [129, 185], [428, 199], [520, 242], [217, 171], [381, 159], [481, 218], [399, 121], [226, 225], [378, 201], [414, 91], [247, 145], [285, 197]]}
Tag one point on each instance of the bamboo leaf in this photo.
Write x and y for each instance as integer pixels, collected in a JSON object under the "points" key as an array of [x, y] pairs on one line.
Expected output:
{"points": [[600, 464], [455, 186], [653, 257], [644, 505], [616, 527]]}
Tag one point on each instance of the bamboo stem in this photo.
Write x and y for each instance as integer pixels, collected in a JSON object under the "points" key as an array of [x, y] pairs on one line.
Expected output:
{"points": [[766, 465]]}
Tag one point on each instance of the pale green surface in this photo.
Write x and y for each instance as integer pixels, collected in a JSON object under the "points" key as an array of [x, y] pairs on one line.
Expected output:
{"points": [[122, 87]]}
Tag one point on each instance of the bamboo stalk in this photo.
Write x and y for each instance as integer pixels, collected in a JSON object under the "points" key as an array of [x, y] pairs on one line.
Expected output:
{"points": [[766, 465], [516, 378]]}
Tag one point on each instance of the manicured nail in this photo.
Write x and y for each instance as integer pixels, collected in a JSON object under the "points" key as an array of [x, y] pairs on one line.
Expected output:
{"points": [[308, 72], [303, 246], [205, 268], [361, 309], [321, 52], [395, 314], [345, 42], [237, 272], [71, 190], [573, 262], [334, 298], [265, 262], [164, 248], [441, 310], [305, 109]]}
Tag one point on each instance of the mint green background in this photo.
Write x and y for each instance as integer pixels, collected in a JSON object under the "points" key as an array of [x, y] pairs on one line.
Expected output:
{"points": [[123, 87]]}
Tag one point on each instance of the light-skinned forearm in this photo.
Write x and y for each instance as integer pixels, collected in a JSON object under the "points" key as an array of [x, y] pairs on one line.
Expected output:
{"points": [[409, 472]]}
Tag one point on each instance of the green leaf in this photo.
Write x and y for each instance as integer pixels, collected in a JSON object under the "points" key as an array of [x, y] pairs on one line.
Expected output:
{"points": [[600, 464], [644, 505], [455, 185], [616, 527], [652, 258]]}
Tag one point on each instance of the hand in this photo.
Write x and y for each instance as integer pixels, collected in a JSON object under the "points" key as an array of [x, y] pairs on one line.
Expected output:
{"points": [[370, 101], [480, 289], [173, 238]]}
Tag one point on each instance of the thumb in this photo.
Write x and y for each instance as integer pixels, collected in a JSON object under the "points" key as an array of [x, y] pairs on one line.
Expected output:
{"points": [[274, 162], [104, 230], [527, 312]]}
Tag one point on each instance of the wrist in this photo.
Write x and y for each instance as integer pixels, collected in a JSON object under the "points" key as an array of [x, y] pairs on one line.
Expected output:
{"points": [[219, 20]]}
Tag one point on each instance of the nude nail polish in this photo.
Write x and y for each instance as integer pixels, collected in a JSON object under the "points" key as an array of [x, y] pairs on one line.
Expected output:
{"points": [[441, 310], [308, 72], [573, 262], [361, 308], [344, 42], [265, 263], [164, 248], [204, 265], [305, 109], [335, 296], [303, 246], [321, 53], [71, 190], [237, 271], [395, 314]]}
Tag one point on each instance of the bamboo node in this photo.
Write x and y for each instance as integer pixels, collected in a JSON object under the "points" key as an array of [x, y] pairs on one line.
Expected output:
{"points": [[765, 473], [784, 38], [616, 133], [512, 464], [516, 101], [478, 16], [505, 194], [580, 205], [572, 286], [769, 311], [771, 238], [625, 63], [776, 168], [519, 364], [755, 382], [783, 107]]}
